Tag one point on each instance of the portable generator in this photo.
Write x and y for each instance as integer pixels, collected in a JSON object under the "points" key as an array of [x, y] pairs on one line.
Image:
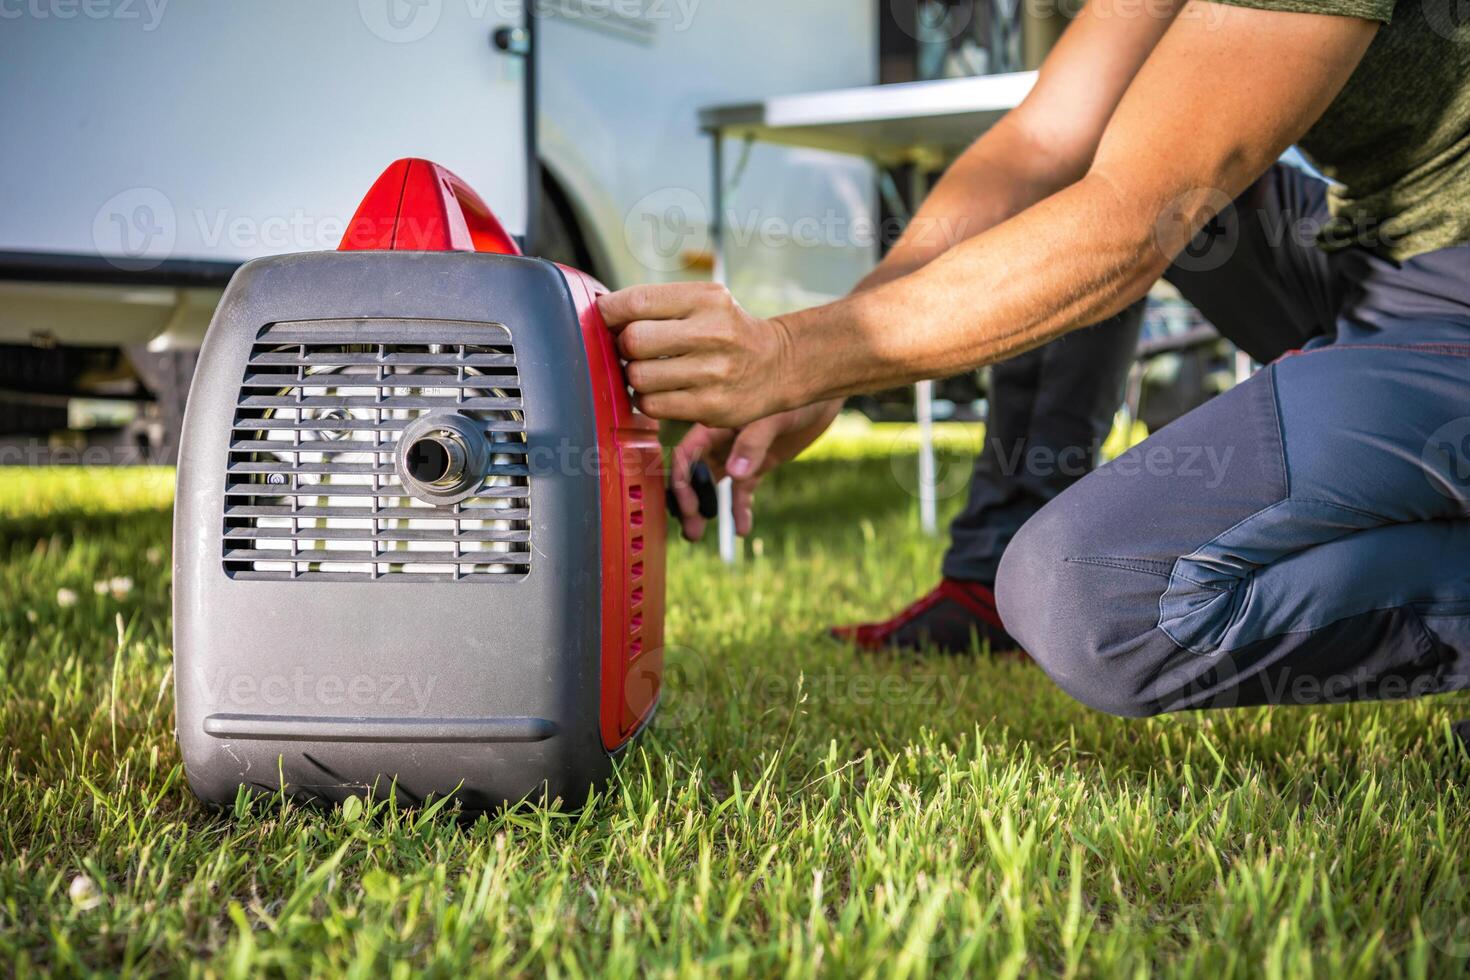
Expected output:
{"points": [[420, 529]]}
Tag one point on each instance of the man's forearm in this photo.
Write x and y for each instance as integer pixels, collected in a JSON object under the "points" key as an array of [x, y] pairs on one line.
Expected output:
{"points": [[1002, 174], [1075, 257]]}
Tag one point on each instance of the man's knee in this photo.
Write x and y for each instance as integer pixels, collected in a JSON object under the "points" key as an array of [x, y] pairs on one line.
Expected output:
{"points": [[1084, 619]]}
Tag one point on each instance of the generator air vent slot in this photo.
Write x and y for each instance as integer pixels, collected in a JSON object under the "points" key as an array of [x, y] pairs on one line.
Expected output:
{"points": [[635, 572], [312, 491]]}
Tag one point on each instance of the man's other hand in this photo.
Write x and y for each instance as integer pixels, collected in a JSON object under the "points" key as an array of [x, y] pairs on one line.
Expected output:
{"points": [[745, 455]]}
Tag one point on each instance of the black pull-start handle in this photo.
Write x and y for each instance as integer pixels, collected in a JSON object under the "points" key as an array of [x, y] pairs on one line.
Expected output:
{"points": [[702, 482]]}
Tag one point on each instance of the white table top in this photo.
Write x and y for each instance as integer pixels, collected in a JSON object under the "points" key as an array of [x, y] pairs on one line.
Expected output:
{"points": [[926, 122]]}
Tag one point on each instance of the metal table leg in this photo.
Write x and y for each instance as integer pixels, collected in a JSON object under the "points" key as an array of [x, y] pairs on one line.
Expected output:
{"points": [[1244, 368], [729, 544], [924, 395], [924, 410]]}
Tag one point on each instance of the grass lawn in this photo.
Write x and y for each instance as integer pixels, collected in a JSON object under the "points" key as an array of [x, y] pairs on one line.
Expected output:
{"points": [[796, 810]]}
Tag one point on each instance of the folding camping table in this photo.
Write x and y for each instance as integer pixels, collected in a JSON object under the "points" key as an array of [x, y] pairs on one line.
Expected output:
{"points": [[921, 126]]}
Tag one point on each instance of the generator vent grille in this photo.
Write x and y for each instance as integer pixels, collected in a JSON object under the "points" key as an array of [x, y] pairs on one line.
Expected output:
{"points": [[635, 571], [311, 486]]}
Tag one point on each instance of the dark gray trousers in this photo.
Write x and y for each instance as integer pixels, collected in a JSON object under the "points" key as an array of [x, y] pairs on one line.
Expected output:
{"points": [[1304, 537], [1050, 410]]}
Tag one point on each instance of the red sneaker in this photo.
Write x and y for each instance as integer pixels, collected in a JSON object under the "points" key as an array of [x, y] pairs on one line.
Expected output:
{"points": [[956, 617]]}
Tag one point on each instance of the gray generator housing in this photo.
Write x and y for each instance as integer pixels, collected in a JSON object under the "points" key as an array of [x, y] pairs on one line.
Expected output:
{"points": [[454, 670]]}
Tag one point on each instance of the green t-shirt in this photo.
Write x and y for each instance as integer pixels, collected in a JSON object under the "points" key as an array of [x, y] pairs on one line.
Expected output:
{"points": [[1396, 140]]}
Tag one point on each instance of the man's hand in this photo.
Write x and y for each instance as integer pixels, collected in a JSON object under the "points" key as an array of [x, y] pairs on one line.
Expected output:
{"points": [[745, 455], [695, 355]]}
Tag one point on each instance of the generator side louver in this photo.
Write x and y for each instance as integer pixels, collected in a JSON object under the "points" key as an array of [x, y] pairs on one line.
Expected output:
{"points": [[312, 489]]}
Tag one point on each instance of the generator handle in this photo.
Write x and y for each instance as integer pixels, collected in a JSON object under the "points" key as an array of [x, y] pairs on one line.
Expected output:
{"points": [[417, 205]]}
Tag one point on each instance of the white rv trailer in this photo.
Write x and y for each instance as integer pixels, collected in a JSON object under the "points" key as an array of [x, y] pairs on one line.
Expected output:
{"points": [[150, 146]]}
